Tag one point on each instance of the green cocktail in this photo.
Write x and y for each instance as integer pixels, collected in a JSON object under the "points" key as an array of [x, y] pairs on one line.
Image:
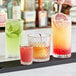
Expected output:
{"points": [[13, 37]]}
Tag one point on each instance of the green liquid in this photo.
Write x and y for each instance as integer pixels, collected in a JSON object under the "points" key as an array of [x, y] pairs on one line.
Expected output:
{"points": [[13, 38]]}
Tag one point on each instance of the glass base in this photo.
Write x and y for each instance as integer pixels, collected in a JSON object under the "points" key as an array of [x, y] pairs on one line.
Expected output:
{"points": [[41, 60], [10, 57], [62, 56], [26, 63]]}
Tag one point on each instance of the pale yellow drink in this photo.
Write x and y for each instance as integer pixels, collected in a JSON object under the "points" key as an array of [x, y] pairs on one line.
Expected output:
{"points": [[61, 29]]}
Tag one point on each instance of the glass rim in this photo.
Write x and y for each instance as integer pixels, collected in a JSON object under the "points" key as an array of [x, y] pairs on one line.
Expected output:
{"points": [[38, 36], [26, 46], [68, 18], [14, 20]]}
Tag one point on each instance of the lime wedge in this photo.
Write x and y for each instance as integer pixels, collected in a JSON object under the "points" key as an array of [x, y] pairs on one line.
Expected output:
{"points": [[13, 28]]}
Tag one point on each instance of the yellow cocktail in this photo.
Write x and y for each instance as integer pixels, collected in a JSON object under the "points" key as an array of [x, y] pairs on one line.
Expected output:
{"points": [[61, 28]]}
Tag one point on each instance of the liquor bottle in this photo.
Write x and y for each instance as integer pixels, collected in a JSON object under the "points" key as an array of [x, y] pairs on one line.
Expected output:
{"points": [[22, 5], [9, 9], [13, 9], [36, 4], [29, 13], [16, 10], [53, 8], [41, 15], [3, 15]]}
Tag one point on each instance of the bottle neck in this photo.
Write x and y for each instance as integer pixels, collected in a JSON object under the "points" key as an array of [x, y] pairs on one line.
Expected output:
{"points": [[40, 3], [15, 2]]}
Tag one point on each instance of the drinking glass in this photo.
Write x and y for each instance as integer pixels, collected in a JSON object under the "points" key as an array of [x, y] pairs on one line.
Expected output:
{"points": [[26, 53], [13, 31], [61, 29], [41, 47]]}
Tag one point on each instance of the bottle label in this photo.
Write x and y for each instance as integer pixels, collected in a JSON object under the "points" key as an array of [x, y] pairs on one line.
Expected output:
{"points": [[42, 18], [29, 16], [30, 24], [16, 12], [3, 17]]}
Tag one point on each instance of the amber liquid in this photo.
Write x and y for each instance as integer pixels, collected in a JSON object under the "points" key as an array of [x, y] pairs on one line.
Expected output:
{"points": [[41, 52]]}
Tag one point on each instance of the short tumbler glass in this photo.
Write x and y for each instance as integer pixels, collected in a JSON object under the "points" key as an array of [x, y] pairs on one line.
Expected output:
{"points": [[26, 53], [41, 47]]}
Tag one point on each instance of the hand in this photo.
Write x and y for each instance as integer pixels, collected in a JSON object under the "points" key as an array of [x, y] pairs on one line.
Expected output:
{"points": [[70, 2], [61, 1]]}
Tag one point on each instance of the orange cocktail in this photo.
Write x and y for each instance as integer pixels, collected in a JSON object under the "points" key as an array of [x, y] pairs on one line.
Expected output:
{"points": [[41, 52], [41, 47], [61, 28]]}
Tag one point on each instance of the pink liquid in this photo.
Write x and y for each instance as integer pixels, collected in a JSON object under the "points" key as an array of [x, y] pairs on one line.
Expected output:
{"points": [[26, 53], [61, 51]]}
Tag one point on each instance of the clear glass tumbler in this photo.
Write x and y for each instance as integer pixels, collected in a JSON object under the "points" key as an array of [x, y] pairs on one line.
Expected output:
{"points": [[41, 47]]}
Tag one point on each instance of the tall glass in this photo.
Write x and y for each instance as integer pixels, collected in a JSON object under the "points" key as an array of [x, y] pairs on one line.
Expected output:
{"points": [[13, 38], [61, 29], [41, 47]]}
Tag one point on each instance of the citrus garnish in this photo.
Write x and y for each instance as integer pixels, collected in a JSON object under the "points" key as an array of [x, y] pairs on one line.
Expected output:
{"points": [[13, 29], [60, 20]]}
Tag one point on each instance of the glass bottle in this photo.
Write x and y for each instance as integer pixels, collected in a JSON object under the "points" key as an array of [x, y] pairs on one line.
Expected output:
{"points": [[13, 9], [3, 15], [16, 11], [41, 15], [9, 9], [52, 9], [29, 13]]}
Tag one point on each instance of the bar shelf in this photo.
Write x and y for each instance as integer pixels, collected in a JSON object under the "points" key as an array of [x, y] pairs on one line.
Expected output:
{"points": [[2, 29]]}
